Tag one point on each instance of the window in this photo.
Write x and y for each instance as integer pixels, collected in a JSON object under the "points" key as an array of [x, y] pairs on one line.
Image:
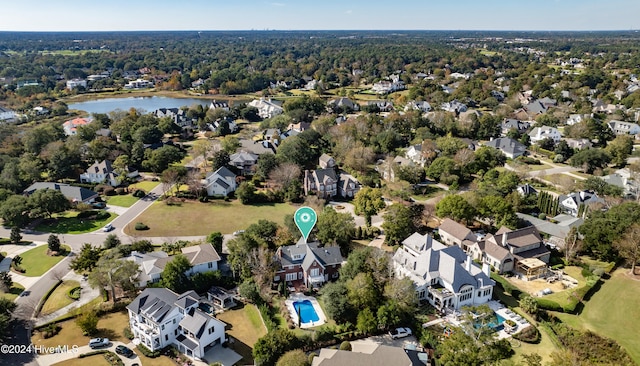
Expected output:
{"points": [[210, 265], [166, 337], [212, 329], [174, 321], [291, 277], [175, 332], [299, 275], [162, 326], [315, 272]]}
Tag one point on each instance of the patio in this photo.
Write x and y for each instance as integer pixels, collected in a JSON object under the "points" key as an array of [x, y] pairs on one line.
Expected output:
{"points": [[299, 297], [226, 356]]}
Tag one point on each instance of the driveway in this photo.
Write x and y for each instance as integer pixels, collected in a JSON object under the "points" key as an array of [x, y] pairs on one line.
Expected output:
{"points": [[345, 207], [53, 358], [384, 340]]}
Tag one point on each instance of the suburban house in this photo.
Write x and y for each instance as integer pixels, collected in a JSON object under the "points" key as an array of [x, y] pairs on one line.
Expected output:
{"points": [[159, 317], [444, 275], [257, 147], [506, 249], [557, 228], [266, 107], [577, 118], [526, 189], [363, 354], [76, 83], [273, 135], [179, 117], [624, 179], [624, 128], [219, 105], [342, 105], [570, 204], [73, 193], [510, 147], [387, 168], [217, 125], [578, 143], [414, 153], [7, 115], [103, 172], [71, 127], [220, 183], [418, 106], [327, 183], [139, 84], [453, 233], [386, 86], [307, 264], [243, 161], [382, 105], [203, 258], [325, 161], [454, 107], [543, 132]]}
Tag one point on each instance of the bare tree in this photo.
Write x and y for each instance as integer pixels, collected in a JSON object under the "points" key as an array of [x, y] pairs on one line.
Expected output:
{"points": [[628, 245], [170, 178], [285, 173], [263, 267], [571, 245], [204, 148], [58, 274], [193, 182], [359, 158]]}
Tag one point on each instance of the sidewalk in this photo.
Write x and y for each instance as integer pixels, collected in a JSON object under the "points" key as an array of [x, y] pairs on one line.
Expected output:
{"points": [[53, 358], [87, 295], [13, 250]]}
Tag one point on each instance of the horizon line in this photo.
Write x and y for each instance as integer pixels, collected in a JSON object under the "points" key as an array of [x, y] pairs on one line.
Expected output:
{"points": [[324, 30]]}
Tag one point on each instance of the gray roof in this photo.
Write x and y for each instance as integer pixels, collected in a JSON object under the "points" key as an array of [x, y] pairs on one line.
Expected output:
{"points": [[195, 321], [257, 147], [224, 172], [103, 167], [519, 238], [322, 174], [155, 303], [548, 227], [381, 356], [455, 229], [243, 156], [507, 145], [188, 343], [73, 193], [310, 252]]}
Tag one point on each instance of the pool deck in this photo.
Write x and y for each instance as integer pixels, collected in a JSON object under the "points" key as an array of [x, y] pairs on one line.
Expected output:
{"points": [[294, 314]]}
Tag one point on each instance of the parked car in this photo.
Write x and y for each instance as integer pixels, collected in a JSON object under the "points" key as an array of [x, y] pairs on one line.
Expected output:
{"points": [[236, 233], [99, 205], [107, 228], [400, 333], [123, 350], [98, 342]]}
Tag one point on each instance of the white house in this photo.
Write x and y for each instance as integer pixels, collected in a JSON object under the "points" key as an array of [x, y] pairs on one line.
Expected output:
{"points": [[103, 172], [139, 84], [75, 83], [571, 203], [577, 118], [454, 107], [159, 317], [266, 107], [419, 106], [220, 183], [624, 128], [219, 105], [540, 133], [414, 153], [7, 115], [203, 258], [444, 276]]}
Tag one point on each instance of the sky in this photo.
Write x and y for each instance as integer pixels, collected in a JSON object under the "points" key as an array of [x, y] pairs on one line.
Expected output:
{"points": [[121, 15]]}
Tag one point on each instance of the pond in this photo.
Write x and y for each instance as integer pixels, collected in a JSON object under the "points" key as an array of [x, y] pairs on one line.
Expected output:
{"points": [[148, 104]]}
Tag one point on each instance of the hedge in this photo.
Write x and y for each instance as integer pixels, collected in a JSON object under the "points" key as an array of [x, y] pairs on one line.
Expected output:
{"points": [[93, 353], [549, 305], [45, 297], [147, 352], [529, 334], [74, 293]]}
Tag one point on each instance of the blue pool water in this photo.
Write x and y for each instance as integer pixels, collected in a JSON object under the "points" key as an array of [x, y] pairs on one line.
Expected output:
{"points": [[495, 325], [307, 312]]}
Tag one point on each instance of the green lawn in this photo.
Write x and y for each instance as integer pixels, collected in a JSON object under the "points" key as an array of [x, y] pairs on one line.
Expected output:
{"points": [[95, 360], [36, 261], [14, 292], [423, 194], [145, 185], [59, 298], [245, 325], [125, 200], [613, 312], [70, 224], [196, 218]]}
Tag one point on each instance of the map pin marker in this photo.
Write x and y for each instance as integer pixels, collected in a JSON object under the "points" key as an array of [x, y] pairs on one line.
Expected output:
{"points": [[305, 219]]}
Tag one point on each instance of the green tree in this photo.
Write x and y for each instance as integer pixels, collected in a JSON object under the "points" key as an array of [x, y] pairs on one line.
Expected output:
{"points": [[455, 207], [336, 302], [401, 292], [216, 239], [601, 187], [15, 211], [219, 159], [174, 276], [366, 322], [6, 282], [87, 258], [246, 192], [628, 245], [619, 149], [529, 305], [388, 315], [362, 291], [531, 359], [368, 202], [7, 307], [230, 144], [335, 228], [53, 243], [265, 165], [45, 202], [590, 159], [111, 271], [159, 160], [486, 158], [88, 323], [399, 222], [111, 241], [294, 358], [15, 236], [442, 166], [268, 349]]}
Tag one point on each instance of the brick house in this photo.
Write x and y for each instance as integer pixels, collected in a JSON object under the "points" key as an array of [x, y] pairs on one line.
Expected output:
{"points": [[307, 264]]}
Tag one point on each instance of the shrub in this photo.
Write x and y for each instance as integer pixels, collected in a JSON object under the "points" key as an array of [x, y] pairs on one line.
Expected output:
{"points": [[529, 334], [50, 330], [88, 323], [549, 305], [147, 352], [345, 346], [86, 214], [127, 333], [542, 216], [139, 193], [93, 353], [101, 215], [120, 191], [109, 191], [141, 226], [113, 359], [74, 293]]}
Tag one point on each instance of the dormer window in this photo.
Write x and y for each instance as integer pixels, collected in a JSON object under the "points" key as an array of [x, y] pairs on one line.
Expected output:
{"points": [[297, 257]]}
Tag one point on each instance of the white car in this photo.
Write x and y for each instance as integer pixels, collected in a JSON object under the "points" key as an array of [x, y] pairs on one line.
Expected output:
{"points": [[107, 228], [400, 333], [99, 342]]}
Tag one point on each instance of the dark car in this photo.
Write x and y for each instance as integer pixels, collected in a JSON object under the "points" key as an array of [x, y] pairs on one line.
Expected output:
{"points": [[125, 351]]}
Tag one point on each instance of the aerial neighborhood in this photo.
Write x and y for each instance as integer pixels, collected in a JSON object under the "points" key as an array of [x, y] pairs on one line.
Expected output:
{"points": [[284, 198]]}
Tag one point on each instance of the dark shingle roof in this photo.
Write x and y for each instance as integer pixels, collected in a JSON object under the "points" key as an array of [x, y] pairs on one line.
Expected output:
{"points": [[73, 193]]}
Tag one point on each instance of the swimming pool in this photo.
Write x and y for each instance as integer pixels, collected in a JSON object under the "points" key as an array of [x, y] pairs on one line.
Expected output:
{"points": [[306, 311], [497, 324]]}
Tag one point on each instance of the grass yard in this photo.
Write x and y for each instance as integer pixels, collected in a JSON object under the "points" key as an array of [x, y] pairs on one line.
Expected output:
{"points": [[36, 262], [613, 312], [70, 224], [59, 297], [425, 193], [14, 292], [145, 185], [95, 360], [125, 200], [110, 326], [245, 325], [196, 218]]}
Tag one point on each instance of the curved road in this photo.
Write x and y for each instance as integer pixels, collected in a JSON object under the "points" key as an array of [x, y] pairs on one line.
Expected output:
{"points": [[21, 330]]}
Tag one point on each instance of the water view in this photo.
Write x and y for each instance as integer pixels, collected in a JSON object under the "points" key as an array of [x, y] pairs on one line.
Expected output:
{"points": [[148, 104]]}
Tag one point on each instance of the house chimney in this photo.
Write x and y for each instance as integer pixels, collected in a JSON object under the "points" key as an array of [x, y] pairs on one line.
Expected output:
{"points": [[486, 269], [504, 239], [468, 264]]}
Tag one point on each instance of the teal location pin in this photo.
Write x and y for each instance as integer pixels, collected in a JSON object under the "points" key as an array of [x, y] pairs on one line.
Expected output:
{"points": [[305, 218]]}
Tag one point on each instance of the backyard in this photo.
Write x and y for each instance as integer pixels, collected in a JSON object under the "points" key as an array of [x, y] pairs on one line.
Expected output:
{"points": [[192, 218], [245, 325], [559, 294], [37, 262], [68, 223], [59, 297]]}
